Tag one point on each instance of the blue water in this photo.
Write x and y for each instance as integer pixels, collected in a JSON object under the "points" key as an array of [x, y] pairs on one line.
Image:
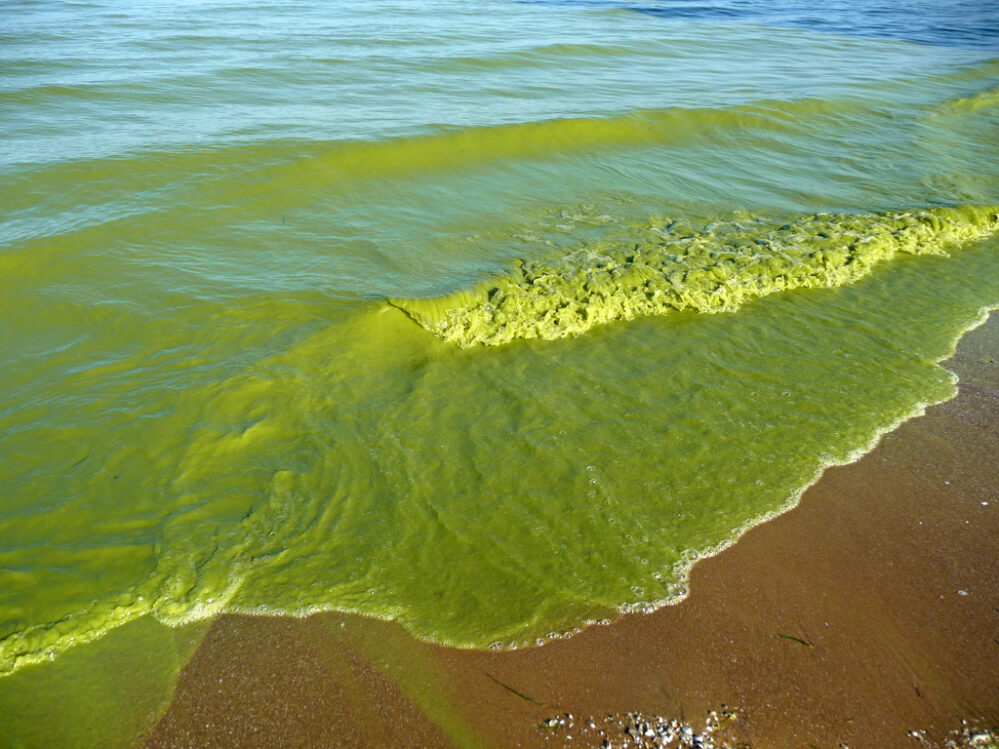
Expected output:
{"points": [[954, 23]]}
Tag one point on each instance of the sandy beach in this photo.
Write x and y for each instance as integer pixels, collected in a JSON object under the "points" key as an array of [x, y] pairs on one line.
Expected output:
{"points": [[869, 611]]}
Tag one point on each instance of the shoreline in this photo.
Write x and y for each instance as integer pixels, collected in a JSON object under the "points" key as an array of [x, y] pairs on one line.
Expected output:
{"points": [[865, 612]]}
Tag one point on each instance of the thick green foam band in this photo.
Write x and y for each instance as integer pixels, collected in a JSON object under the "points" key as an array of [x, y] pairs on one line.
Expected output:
{"points": [[716, 269]]}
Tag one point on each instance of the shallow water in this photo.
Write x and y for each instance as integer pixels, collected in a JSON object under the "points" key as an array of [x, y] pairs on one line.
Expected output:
{"points": [[230, 235]]}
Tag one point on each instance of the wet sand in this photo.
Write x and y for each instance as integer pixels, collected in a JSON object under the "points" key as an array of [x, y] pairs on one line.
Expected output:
{"points": [[870, 610]]}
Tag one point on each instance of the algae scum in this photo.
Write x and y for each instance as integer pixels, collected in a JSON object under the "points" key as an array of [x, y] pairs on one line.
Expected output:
{"points": [[493, 496], [228, 356], [717, 271]]}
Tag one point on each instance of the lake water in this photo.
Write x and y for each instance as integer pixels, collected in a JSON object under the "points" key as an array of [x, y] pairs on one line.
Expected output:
{"points": [[485, 317]]}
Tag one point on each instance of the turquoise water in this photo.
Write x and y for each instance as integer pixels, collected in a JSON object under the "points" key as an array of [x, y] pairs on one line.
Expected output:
{"points": [[694, 253]]}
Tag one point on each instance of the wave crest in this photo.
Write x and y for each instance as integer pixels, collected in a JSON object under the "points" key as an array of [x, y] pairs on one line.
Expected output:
{"points": [[715, 270]]}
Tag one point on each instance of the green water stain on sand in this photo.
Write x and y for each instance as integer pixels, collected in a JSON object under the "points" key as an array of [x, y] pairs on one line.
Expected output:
{"points": [[108, 694]]}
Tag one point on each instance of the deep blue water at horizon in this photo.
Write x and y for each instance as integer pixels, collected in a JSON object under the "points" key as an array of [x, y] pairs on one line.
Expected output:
{"points": [[943, 22]]}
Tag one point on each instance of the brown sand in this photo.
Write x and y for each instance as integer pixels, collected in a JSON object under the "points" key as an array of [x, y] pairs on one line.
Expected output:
{"points": [[888, 570]]}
